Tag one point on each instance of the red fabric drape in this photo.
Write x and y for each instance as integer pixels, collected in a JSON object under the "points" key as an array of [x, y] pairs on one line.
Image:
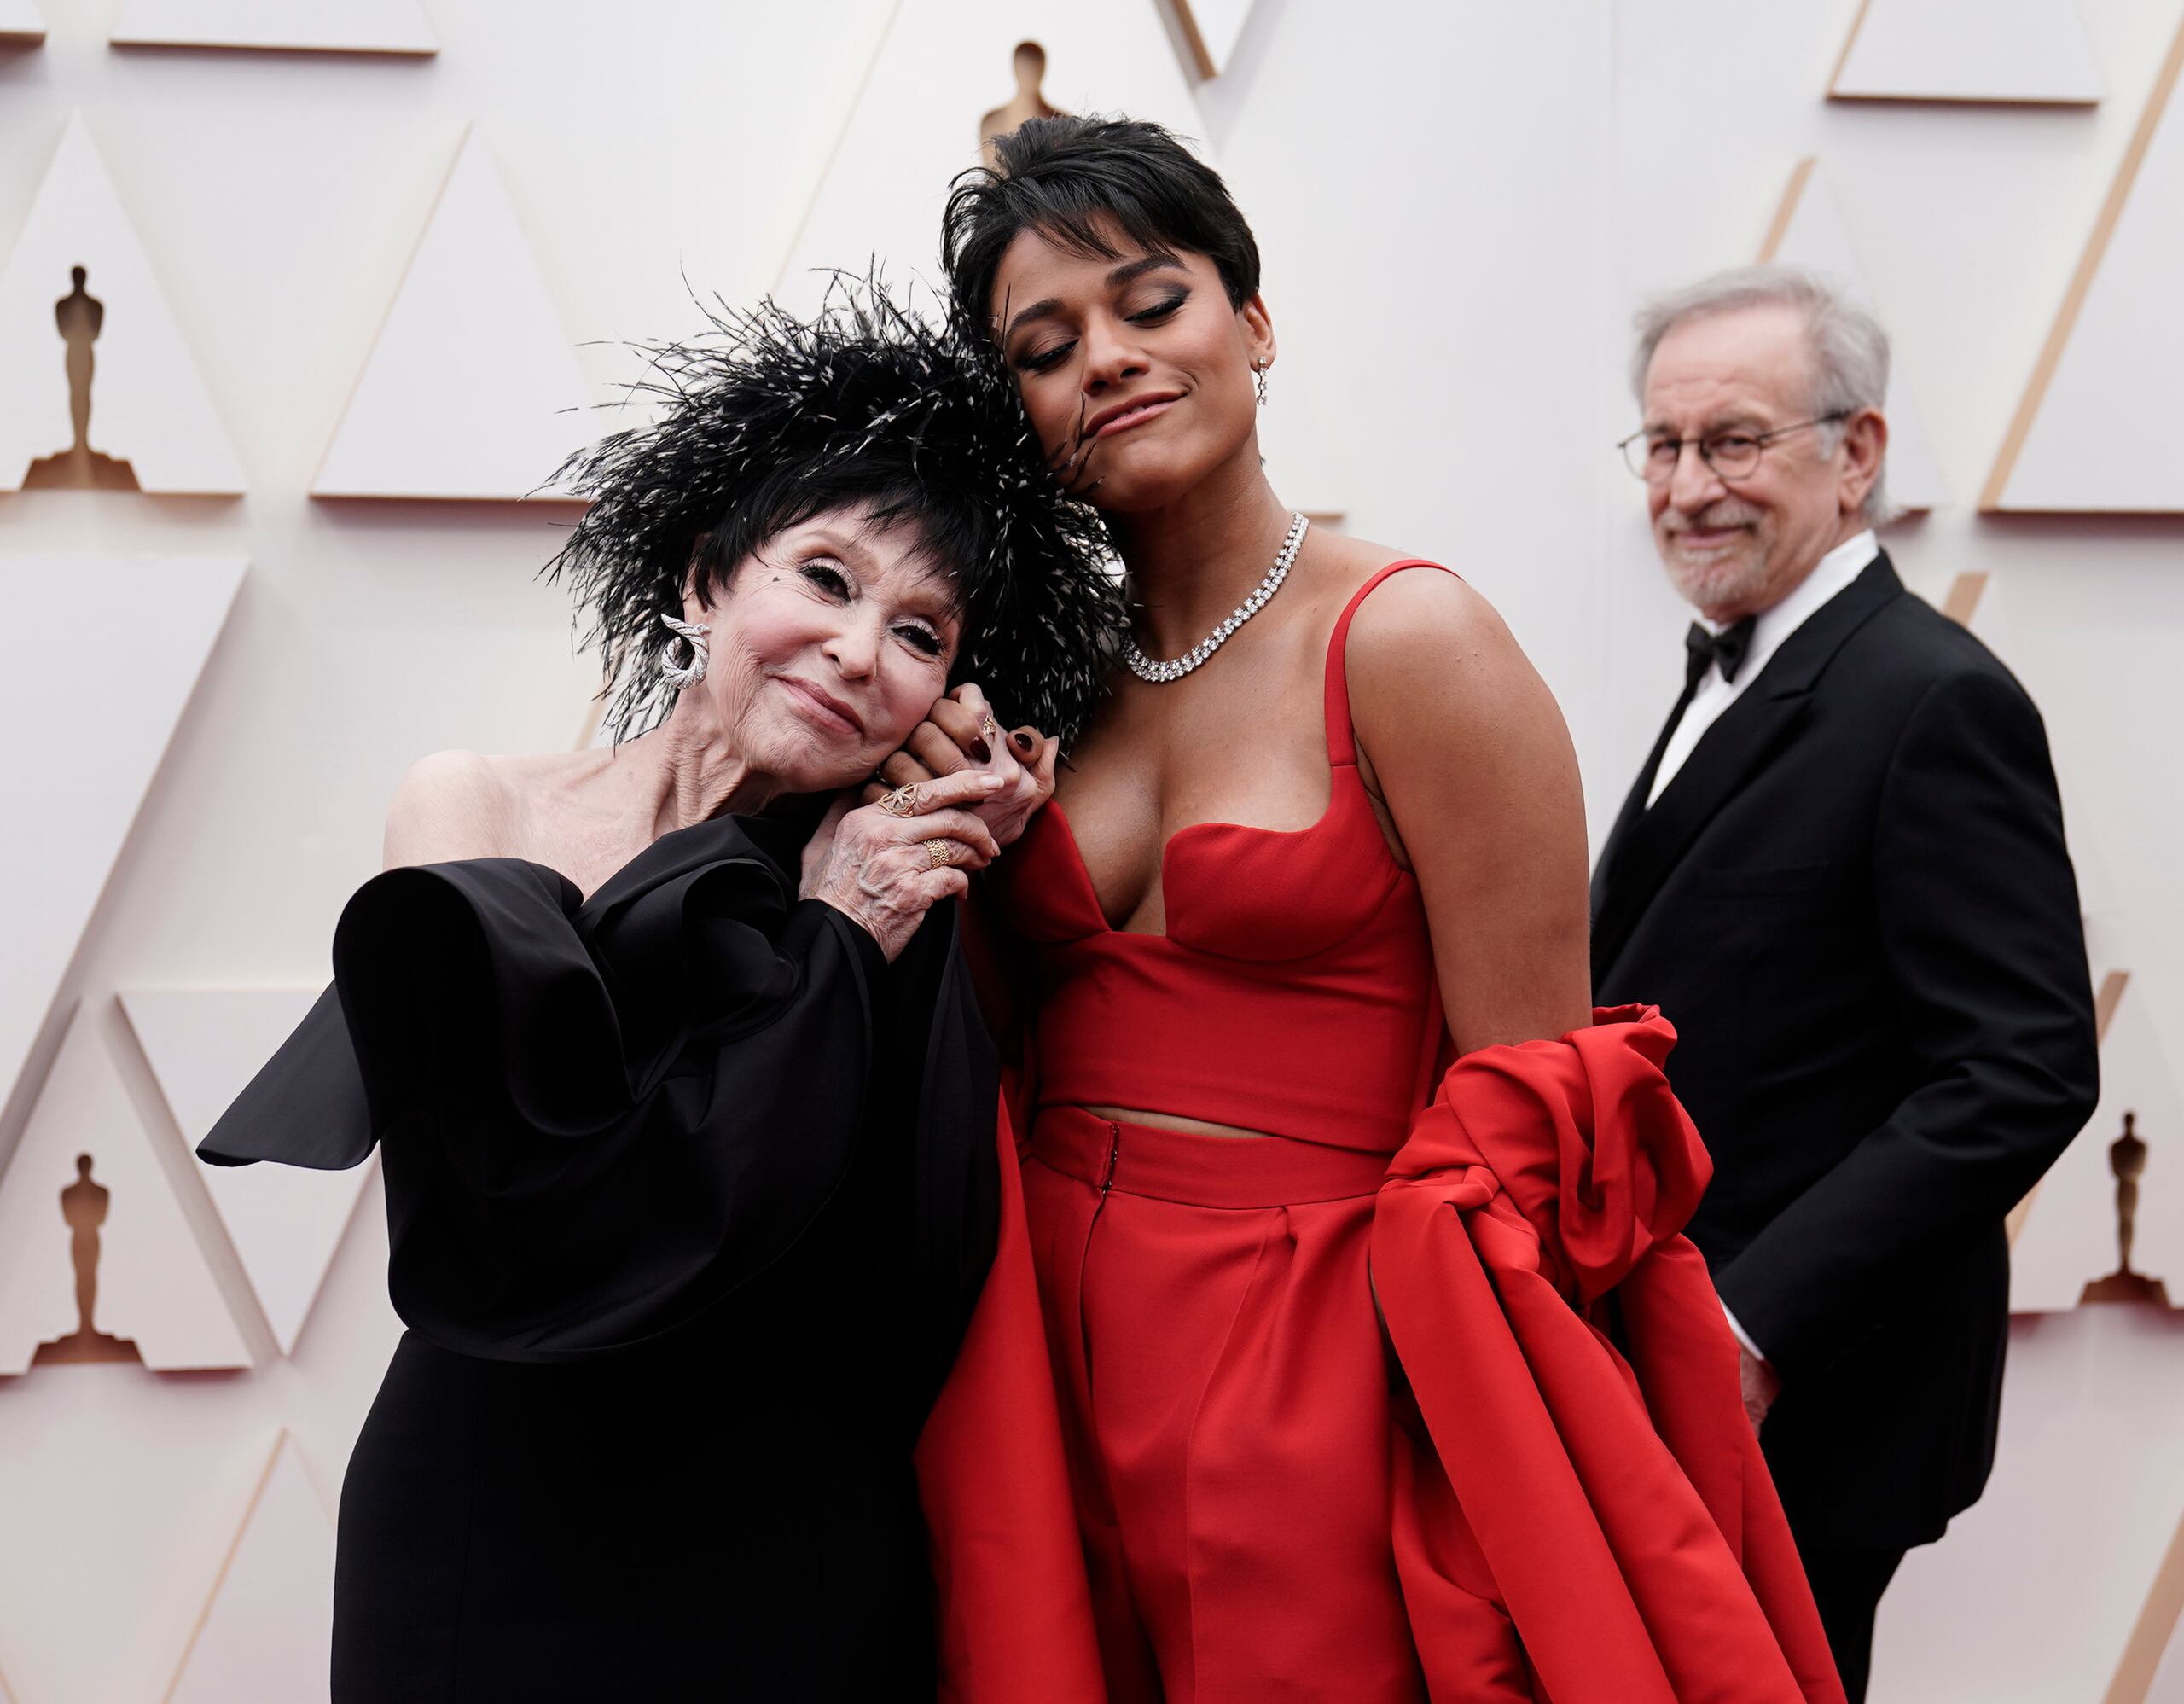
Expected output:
{"points": [[1622, 1504], [1617, 1499]]}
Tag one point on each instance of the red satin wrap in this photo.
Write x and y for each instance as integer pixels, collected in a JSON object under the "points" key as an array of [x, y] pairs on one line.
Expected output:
{"points": [[1572, 1366]]}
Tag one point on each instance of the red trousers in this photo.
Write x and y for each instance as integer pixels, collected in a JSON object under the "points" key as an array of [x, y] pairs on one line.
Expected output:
{"points": [[1226, 1405], [1262, 1518]]}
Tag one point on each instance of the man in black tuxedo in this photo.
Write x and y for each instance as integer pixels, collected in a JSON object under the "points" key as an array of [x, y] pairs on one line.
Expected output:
{"points": [[1841, 875]]}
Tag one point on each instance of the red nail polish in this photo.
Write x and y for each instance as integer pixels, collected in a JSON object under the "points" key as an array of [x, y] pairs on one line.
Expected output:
{"points": [[981, 751]]}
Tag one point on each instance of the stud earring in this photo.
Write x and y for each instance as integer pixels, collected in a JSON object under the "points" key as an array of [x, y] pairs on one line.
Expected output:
{"points": [[1259, 367], [690, 674]]}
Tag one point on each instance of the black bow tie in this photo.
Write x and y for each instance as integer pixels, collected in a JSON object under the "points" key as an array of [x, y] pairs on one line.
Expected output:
{"points": [[1726, 650]]}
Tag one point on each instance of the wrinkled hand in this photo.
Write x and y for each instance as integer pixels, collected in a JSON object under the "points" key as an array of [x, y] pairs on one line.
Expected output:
{"points": [[1760, 1384], [952, 741], [878, 869]]}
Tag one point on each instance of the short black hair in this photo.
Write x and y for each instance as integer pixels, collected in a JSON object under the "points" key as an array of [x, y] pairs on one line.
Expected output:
{"points": [[948, 527], [1062, 177], [773, 420]]}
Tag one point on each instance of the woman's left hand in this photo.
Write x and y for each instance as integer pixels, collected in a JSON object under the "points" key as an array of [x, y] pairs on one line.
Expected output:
{"points": [[960, 732]]}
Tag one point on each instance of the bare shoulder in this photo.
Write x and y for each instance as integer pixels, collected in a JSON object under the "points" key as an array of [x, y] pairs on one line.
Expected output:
{"points": [[1465, 750], [1426, 639], [451, 805], [1443, 602]]}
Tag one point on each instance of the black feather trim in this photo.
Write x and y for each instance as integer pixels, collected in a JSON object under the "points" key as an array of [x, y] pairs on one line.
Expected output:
{"points": [[766, 393]]}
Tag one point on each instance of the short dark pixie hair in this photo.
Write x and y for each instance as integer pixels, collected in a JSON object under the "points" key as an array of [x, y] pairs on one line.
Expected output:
{"points": [[883, 482], [773, 420], [1062, 177]]}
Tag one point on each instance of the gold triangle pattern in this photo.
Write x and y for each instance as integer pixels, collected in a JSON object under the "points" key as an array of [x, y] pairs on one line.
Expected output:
{"points": [[2097, 430]]}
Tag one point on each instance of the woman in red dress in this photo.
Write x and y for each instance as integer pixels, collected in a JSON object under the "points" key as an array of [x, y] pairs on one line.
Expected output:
{"points": [[1377, 1368]]}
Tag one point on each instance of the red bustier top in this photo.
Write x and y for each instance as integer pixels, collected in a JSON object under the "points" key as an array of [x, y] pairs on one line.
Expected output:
{"points": [[1293, 992], [1613, 1500]]}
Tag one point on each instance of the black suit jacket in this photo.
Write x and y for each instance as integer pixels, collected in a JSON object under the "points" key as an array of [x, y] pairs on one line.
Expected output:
{"points": [[1855, 903]]}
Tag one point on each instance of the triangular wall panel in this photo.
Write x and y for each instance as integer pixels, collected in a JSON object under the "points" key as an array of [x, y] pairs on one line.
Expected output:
{"points": [[149, 408], [1211, 29], [204, 1045], [2034, 52], [20, 25], [97, 746], [267, 1631], [2068, 1236], [396, 26], [472, 390], [941, 65], [2100, 428], [2107, 937], [1809, 231], [153, 1287], [1982, 602], [2167, 1684]]}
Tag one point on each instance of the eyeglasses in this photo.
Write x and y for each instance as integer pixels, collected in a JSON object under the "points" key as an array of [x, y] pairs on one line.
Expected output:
{"points": [[1731, 455]]}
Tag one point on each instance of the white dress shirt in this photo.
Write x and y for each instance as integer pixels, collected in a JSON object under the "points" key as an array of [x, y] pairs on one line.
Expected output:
{"points": [[1832, 573]]}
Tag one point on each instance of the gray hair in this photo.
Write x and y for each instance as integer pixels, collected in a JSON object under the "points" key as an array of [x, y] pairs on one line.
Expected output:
{"points": [[1849, 349]]}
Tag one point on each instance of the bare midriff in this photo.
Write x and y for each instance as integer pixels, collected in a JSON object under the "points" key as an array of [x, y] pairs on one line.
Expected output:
{"points": [[1169, 1121]]}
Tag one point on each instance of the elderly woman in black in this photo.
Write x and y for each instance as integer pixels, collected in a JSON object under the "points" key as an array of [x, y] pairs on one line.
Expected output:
{"points": [[688, 1122]]}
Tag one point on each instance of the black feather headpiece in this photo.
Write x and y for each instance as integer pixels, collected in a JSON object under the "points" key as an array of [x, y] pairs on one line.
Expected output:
{"points": [[771, 420]]}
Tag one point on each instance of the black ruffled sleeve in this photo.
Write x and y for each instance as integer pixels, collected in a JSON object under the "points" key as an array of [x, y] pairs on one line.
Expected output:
{"points": [[598, 1116], [306, 1107]]}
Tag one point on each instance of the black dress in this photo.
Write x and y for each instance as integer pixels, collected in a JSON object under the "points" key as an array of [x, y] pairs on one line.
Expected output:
{"points": [[689, 1195]]}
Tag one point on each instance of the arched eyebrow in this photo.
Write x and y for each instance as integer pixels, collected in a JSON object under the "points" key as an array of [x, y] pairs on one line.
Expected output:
{"points": [[836, 540], [1050, 307], [932, 597], [925, 586], [1158, 261]]}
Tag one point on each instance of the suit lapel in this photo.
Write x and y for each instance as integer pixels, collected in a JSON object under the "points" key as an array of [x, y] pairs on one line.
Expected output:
{"points": [[1634, 804], [1750, 733]]}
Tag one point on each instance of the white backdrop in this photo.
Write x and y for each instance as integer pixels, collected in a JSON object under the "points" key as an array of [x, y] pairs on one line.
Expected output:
{"points": [[1459, 205]]}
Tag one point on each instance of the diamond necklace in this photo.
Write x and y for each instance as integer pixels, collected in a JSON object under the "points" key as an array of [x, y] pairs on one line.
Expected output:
{"points": [[1146, 670]]}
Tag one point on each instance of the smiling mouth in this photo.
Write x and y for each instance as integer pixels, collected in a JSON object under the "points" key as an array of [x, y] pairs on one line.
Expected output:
{"points": [[822, 707], [1704, 538], [1136, 414]]}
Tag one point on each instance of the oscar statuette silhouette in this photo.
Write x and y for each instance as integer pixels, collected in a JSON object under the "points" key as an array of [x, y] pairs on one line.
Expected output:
{"points": [[80, 316], [1028, 103], [2127, 1159], [83, 1205]]}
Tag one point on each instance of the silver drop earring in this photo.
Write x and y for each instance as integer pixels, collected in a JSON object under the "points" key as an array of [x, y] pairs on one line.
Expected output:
{"points": [[1259, 369], [679, 677]]}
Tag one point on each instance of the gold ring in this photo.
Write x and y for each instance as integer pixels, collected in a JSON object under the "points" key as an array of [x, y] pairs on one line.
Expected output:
{"points": [[989, 729], [901, 802], [939, 854]]}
